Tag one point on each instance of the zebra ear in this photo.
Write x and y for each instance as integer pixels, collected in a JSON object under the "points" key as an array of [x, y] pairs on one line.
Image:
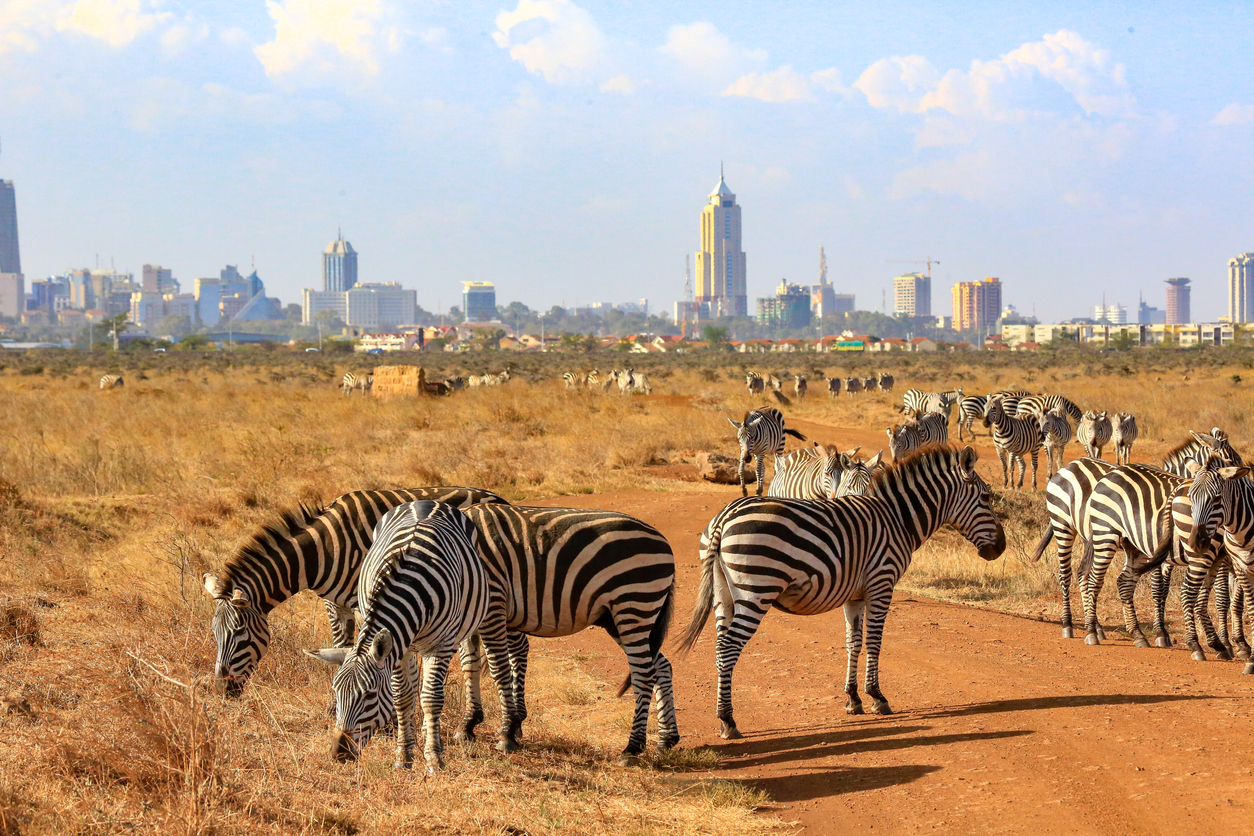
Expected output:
{"points": [[1204, 438], [874, 461], [967, 458], [214, 585], [853, 452], [733, 423], [1234, 472], [1191, 468], [333, 656], [381, 646], [240, 597]]}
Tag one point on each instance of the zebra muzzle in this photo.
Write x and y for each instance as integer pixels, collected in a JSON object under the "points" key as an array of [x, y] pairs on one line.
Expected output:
{"points": [[344, 747]]}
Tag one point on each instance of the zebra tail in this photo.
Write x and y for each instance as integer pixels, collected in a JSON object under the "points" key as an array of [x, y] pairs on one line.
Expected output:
{"points": [[795, 434], [704, 606], [1166, 539], [657, 636], [1043, 543], [1086, 561]]}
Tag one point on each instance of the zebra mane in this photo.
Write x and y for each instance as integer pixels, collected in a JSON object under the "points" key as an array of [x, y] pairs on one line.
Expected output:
{"points": [[943, 457], [1184, 447], [290, 523]]}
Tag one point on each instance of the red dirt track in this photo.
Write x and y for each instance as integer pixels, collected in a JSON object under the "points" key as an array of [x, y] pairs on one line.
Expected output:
{"points": [[1001, 725]]}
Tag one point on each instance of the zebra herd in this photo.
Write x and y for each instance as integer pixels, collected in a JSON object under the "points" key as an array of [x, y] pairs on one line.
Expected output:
{"points": [[758, 385], [628, 381]]}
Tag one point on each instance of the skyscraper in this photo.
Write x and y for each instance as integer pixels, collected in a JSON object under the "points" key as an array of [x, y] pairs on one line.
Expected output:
{"points": [[10, 255], [339, 266], [977, 305], [1241, 288], [721, 261], [1178, 302], [912, 295], [478, 301], [822, 295]]}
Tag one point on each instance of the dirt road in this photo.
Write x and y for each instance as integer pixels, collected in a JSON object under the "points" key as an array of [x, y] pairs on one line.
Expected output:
{"points": [[1001, 725]]}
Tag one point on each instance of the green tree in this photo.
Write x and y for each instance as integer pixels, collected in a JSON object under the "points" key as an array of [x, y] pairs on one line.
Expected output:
{"points": [[714, 334]]}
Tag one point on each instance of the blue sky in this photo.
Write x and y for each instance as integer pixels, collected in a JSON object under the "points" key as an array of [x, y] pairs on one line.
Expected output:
{"points": [[563, 150]]}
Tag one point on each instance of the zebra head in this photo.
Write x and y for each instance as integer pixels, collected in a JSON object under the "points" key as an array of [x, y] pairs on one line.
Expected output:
{"points": [[1208, 494], [363, 692], [1217, 440], [856, 478], [970, 508], [242, 633]]}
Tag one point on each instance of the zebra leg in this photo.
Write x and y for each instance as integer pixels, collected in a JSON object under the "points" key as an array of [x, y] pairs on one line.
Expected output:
{"points": [[1065, 542], [1223, 604], [1240, 647], [854, 611], [519, 650], [1190, 593], [471, 656], [1103, 553], [1203, 616], [492, 632], [1035, 454], [1160, 586], [664, 703], [761, 471], [1247, 593], [740, 470], [1126, 585], [736, 623], [1002, 456], [434, 672], [877, 612], [405, 695]]}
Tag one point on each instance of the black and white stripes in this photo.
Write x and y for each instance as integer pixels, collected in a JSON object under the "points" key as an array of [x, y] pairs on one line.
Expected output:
{"points": [[761, 432], [112, 381], [352, 381], [1093, 432]]}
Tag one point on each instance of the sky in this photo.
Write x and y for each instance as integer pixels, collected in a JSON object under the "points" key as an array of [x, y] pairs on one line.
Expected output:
{"points": [[563, 150]]}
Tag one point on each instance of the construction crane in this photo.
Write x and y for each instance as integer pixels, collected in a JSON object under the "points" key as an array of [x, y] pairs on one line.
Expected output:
{"points": [[929, 261], [688, 303]]}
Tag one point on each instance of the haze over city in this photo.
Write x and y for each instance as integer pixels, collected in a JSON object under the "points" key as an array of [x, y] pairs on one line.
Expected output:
{"points": [[563, 150]]}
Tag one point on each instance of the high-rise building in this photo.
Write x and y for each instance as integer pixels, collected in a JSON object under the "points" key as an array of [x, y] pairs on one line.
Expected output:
{"points": [[208, 296], [339, 266], [1178, 312], [479, 301], [10, 253], [721, 261], [789, 308], [82, 294], [977, 305], [912, 295], [1241, 288], [1114, 314], [158, 279], [1145, 315], [384, 304], [12, 294]]}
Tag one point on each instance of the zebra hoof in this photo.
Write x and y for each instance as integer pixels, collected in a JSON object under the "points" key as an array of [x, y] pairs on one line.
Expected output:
{"points": [[1101, 633], [881, 707], [1198, 656], [1141, 642], [402, 765], [1241, 652], [665, 743], [852, 707], [1249, 668], [1223, 655], [728, 730], [1068, 633], [464, 736], [630, 760], [507, 746], [1092, 638], [1162, 640]]}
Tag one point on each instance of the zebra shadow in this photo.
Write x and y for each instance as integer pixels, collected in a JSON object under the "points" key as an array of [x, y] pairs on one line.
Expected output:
{"points": [[826, 783], [835, 744], [1047, 703]]}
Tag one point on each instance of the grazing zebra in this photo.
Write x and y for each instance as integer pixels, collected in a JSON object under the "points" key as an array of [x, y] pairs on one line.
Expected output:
{"points": [[853, 385], [856, 479], [799, 386], [351, 381], [423, 591], [774, 383], [1123, 433], [112, 381], [833, 387], [320, 550], [557, 571], [754, 383], [923, 402], [886, 382], [810, 473], [593, 380], [1093, 432], [806, 557], [1038, 405], [573, 380], [761, 432], [970, 408], [1014, 437], [1066, 500], [870, 384], [1057, 432], [455, 383]]}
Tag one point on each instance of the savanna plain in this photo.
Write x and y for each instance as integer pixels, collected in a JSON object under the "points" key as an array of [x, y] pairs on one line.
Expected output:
{"points": [[113, 504]]}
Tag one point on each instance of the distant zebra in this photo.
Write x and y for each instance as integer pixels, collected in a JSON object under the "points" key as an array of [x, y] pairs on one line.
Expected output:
{"points": [[762, 431], [833, 387], [640, 383], [316, 549], [853, 385], [886, 382], [970, 408], [423, 591], [573, 380], [754, 383], [351, 381], [924, 402], [455, 383], [774, 383], [870, 384], [1014, 437], [852, 553], [593, 380], [598, 568], [1057, 433], [1093, 432], [799, 386], [1123, 433], [1038, 405], [112, 381], [810, 473]]}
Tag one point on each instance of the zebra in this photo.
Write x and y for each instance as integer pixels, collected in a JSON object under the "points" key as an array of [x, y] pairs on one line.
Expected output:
{"points": [[1238, 537], [316, 549], [762, 431], [918, 431], [573, 380], [970, 408], [423, 591], [1056, 432], [903, 439], [856, 479], [799, 386], [1093, 432], [593, 380], [853, 385], [1123, 433], [833, 387], [1038, 405], [810, 473], [558, 571], [754, 383], [870, 384], [774, 383], [1009, 402], [886, 382], [1013, 437], [112, 381], [639, 383], [923, 402], [851, 552], [455, 383], [351, 381]]}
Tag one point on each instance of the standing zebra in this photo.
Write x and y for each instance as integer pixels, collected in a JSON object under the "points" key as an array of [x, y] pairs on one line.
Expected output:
{"points": [[1014, 437], [593, 380], [351, 381], [799, 386], [774, 383], [853, 385], [923, 402], [573, 380], [320, 550], [1093, 432], [1123, 433], [886, 382], [810, 473], [870, 384], [833, 387], [1038, 405], [918, 431], [558, 571], [1238, 536], [754, 383], [422, 591], [1056, 432], [761, 432], [112, 381], [970, 408], [853, 553]]}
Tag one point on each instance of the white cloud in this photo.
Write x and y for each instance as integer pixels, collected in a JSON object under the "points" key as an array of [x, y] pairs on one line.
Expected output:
{"points": [[702, 48], [898, 82], [622, 83], [553, 38], [176, 37], [116, 22], [830, 81], [1234, 114], [22, 22], [782, 85], [321, 38]]}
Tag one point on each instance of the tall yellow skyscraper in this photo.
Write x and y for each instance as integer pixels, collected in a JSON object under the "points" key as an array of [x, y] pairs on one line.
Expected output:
{"points": [[720, 287]]}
